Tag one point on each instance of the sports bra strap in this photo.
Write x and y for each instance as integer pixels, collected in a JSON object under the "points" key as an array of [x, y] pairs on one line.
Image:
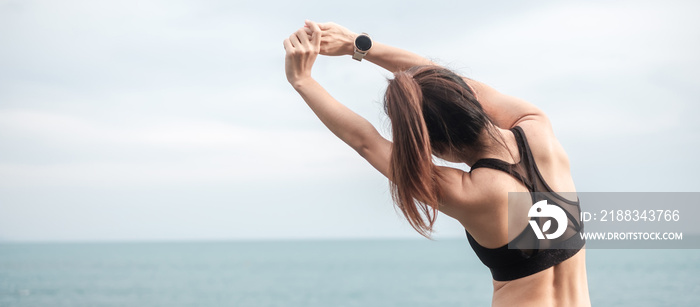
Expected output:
{"points": [[504, 167], [519, 170]]}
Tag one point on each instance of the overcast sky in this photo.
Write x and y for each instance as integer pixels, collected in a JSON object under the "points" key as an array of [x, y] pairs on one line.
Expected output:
{"points": [[173, 120]]}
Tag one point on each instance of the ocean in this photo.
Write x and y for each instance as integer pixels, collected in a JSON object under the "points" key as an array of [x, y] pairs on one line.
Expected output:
{"points": [[310, 273]]}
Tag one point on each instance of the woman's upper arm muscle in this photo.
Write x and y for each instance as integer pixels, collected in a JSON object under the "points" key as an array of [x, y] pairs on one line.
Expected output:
{"points": [[458, 190], [377, 151], [506, 111]]}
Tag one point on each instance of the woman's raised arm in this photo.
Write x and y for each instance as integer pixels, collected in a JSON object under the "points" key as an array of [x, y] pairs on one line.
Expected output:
{"points": [[505, 111], [338, 40], [353, 129]]}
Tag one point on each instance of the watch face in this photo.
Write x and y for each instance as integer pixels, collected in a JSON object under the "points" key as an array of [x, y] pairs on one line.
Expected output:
{"points": [[363, 43]]}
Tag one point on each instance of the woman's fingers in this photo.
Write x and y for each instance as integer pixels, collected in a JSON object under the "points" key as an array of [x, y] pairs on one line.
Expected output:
{"points": [[316, 34], [307, 38], [326, 25], [303, 37], [323, 26], [294, 40], [309, 32], [287, 45]]}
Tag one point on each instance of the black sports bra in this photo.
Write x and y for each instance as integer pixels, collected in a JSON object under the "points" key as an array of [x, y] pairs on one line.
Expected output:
{"points": [[526, 254]]}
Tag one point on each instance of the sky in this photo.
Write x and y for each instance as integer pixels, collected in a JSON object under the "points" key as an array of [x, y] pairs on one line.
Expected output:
{"points": [[173, 120]]}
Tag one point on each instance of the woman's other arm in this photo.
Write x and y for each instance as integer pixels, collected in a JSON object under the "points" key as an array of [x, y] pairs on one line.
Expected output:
{"points": [[338, 40], [347, 125], [353, 129], [505, 111]]}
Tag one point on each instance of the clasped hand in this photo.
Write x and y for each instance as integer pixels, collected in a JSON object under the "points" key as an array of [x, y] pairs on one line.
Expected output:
{"points": [[311, 40], [301, 52]]}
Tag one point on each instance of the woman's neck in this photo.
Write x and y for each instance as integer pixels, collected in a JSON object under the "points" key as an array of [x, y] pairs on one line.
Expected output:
{"points": [[493, 148]]}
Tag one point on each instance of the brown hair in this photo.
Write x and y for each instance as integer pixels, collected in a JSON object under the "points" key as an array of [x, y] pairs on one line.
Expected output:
{"points": [[431, 109]]}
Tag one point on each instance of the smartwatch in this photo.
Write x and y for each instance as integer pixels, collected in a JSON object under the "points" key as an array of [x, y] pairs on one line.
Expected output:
{"points": [[362, 45]]}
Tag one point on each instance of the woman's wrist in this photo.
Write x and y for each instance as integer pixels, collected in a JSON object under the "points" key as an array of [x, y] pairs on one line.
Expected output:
{"points": [[350, 44], [350, 48], [301, 82]]}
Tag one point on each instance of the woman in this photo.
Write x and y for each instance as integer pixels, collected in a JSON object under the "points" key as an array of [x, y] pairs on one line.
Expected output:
{"points": [[508, 143]]}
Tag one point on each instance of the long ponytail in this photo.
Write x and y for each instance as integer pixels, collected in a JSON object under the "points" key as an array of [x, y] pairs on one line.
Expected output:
{"points": [[432, 110], [414, 187]]}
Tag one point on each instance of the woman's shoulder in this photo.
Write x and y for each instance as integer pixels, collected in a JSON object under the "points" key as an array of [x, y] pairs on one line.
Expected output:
{"points": [[540, 137], [550, 157]]}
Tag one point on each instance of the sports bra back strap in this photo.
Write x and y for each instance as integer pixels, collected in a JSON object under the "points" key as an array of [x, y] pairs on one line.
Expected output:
{"points": [[526, 159], [501, 165]]}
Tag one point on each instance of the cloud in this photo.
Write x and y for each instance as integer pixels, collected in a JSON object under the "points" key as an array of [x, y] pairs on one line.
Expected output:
{"points": [[583, 38], [140, 103], [599, 69], [165, 151]]}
